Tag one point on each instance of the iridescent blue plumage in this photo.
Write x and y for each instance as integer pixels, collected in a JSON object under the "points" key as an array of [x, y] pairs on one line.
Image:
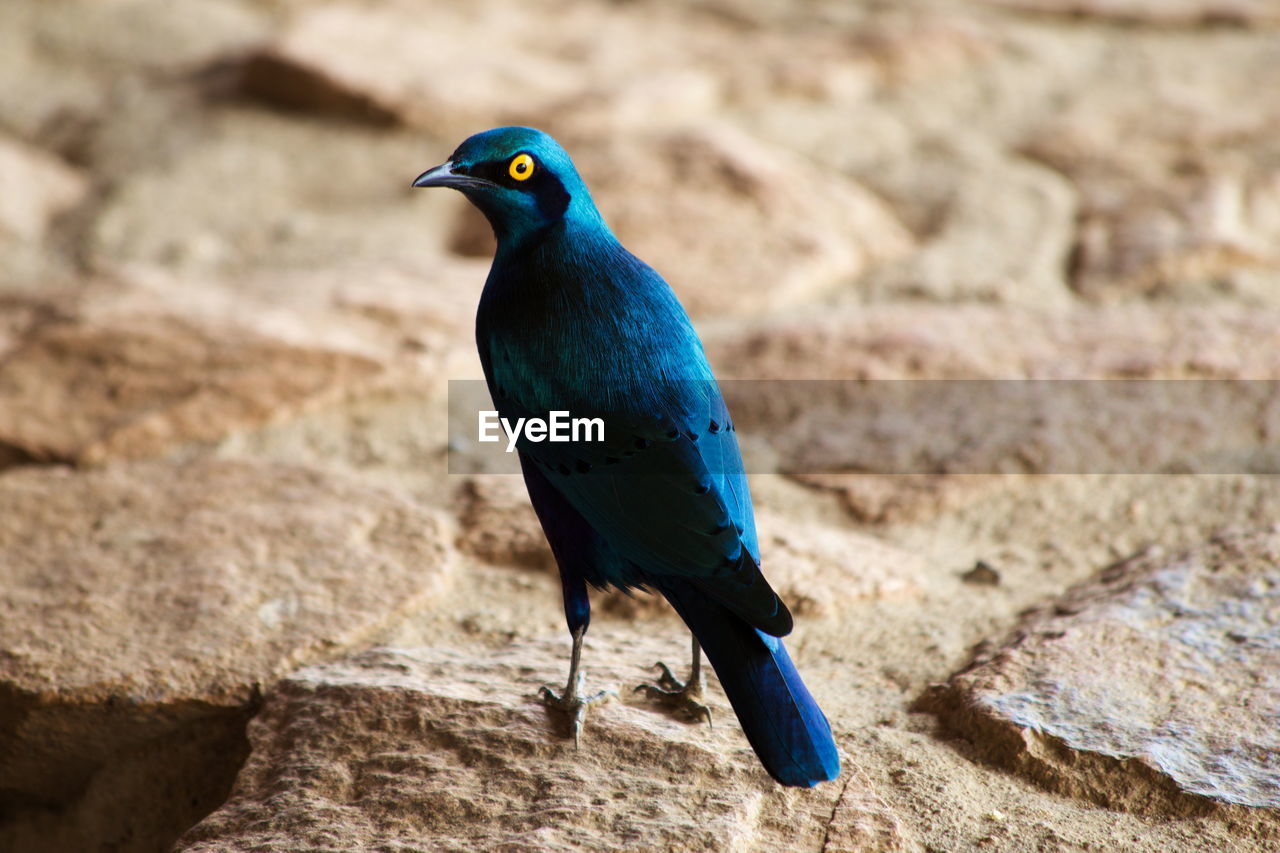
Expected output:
{"points": [[570, 320]]}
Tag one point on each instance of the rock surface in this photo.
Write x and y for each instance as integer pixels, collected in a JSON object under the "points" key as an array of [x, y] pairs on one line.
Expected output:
{"points": [[142, 603], [37, 187], [863, 823], [211, 252], [1032, 209], [41, 194], [1151, 688], [438, 749], [498, 524], [820, 570], [388, 65], [1221, 341], [1157, 12], [384, 64], [87, 393], [680, 198], [1159, 216]]}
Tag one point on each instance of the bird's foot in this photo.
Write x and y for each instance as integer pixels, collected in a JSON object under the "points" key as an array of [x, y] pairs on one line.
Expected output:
{"points": [[677, 694], [574, 703]]}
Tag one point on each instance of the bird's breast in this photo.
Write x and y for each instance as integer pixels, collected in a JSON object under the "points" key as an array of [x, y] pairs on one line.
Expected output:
{"points": [[579, 323]]}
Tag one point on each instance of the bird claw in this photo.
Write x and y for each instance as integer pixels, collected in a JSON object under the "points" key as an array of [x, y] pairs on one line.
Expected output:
{"points": [[679, 695], [668, 681], [574, 703]]}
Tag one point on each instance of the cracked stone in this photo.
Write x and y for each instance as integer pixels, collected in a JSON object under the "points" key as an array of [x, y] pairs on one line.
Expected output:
{"points": [[149, 604], [439, 747], [1151, 688]]}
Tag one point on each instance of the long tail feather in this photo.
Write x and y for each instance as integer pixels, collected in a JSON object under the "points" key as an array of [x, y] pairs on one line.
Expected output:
{"points": [[782, 722]]}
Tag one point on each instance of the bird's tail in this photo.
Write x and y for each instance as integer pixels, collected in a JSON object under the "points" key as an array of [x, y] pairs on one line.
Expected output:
{"points": [[782, 722]]}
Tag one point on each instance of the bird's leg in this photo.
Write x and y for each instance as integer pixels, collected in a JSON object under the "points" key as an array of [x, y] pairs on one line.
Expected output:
{"points": [[681, 695], [572, 701]]}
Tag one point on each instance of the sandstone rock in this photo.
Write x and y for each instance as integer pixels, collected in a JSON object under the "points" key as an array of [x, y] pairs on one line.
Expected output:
{"points": [[37, 187], [673, 98], [1029, 426], [951, 88], [1040, 153], [323, 196], [394, 64], [1187, 205], [150, 602], [176, 36], [385, 312], [433, 309], [819, 569], [1150, 688], [918, 45], [389, 64], [1221, 341], [85, 393], [1154, 12], [38, 87], [20, 315], [443, 749], [1032, 208], [893, 498], [142, 796], [943, 89], [864, 823], [498, 523], [736, 226]]}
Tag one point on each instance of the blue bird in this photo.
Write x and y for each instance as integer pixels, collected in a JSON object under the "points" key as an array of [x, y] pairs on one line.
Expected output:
{"points": [[571, 321]]}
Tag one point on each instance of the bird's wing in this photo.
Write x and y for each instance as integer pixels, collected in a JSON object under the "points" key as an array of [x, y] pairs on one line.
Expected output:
{"points": [[666, 488]]}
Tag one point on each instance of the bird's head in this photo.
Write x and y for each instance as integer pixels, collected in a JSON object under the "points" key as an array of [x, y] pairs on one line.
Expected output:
{"points": [[520, 178]]}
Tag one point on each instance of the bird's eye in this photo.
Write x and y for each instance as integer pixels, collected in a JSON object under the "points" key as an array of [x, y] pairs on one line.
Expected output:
{"points": [[521, 167]]}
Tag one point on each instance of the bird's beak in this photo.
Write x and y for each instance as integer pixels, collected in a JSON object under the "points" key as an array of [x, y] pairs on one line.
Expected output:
{"points": [[442, 176]]}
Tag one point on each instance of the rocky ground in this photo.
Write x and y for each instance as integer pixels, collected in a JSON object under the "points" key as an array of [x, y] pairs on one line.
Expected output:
{"points": [[243, 605]]}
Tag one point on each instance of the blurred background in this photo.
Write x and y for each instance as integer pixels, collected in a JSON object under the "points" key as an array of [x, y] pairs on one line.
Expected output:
{"points": [[216, 287]]}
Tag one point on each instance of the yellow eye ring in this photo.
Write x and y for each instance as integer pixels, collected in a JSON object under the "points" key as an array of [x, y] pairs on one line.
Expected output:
{"points": [[521, 167]]}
